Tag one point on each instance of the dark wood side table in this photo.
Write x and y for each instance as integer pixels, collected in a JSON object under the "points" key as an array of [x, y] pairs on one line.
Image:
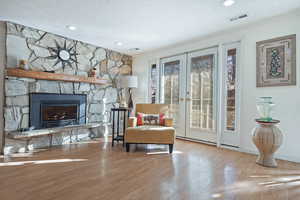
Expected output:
{"points": [[117, 114]]}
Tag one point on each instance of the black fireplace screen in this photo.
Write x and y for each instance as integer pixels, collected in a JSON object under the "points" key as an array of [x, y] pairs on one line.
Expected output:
{"points": [[59, 112], [59, 115], [54, 110]]}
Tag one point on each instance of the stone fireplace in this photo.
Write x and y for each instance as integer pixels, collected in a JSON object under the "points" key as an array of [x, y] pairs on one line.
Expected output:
{"points": [[38, 48], [56, 110]]}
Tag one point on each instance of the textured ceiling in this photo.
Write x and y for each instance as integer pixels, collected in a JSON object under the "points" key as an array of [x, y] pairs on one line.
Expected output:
{"points": [[146, 24]]}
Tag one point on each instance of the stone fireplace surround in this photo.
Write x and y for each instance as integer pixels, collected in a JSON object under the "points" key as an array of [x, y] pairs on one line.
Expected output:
{"points": [[33, 45]]}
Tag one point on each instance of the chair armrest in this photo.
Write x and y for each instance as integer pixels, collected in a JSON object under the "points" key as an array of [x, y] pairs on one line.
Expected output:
{"points": [[168, 122], [132, 122]]}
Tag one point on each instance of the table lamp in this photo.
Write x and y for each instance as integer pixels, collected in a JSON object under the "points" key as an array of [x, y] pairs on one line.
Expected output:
{"points": [[129, 82]]}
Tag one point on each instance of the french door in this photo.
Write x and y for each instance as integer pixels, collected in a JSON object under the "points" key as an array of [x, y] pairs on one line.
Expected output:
{"points": [[173, 89], [188, 85], [203, 95], [230, 94]]}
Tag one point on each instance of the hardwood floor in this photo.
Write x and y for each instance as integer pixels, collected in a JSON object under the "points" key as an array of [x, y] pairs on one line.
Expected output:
{"points": [[95, 170]]}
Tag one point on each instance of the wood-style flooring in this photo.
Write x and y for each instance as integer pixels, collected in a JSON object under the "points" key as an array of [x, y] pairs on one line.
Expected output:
{"points": [[95, 170]]}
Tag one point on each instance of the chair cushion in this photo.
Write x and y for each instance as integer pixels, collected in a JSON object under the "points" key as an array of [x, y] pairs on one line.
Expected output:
{"points": [[150, 134], [151, 127]]}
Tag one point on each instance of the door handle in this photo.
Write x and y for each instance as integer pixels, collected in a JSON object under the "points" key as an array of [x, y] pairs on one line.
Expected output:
{"points": [[181, 99], [188, 99]]}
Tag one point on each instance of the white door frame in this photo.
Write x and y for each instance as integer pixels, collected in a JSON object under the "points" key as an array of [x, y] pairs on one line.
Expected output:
{"points": [[203, 135], [227, 137], [157, 97], [180, 127], [222, 137]]}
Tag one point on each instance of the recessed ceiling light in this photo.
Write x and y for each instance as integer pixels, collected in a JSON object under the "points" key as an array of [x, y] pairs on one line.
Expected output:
{"points": [[228, 3], [119, 43], [72, 28]]}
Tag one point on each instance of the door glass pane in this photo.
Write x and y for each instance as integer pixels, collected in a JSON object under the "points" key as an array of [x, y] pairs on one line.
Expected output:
{"points": [[230, 87], [153, 83], [170, 87], [202, 85]]}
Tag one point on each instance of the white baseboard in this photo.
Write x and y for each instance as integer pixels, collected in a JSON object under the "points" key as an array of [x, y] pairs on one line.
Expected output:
{"points": [[250, 151], [230, 147], [277, 156], [195, 140]]}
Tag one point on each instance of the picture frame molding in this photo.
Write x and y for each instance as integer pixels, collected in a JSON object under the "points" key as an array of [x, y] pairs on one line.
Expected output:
{"points": [[293, 76]]}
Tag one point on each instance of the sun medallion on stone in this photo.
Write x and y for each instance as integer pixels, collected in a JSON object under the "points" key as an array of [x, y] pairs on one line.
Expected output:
{"points": [[64, 55]]}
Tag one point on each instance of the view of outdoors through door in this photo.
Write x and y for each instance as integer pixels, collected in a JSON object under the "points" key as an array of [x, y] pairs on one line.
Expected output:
{"points": [[201, 95], [201, 78], [189, 88], [230, 66], [170, 89], [230, 89], [189, 84]]}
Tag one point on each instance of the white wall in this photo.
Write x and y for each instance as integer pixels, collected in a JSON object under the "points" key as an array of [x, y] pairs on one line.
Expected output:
{"points": [[287, 98]]}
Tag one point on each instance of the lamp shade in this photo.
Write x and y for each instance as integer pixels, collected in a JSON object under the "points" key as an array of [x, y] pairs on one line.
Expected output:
{"points": [[128, 82]]}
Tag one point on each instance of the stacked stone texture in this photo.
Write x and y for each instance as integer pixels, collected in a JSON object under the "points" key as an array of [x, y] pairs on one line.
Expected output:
{"points": [[33, 45]]}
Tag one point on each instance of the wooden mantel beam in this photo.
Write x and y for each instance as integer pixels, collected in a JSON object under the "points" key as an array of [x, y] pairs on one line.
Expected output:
{"points": [[54, 76]]}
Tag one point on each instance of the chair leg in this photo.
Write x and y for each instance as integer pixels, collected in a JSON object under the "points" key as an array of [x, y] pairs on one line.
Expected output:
{"points": [[171, 148], [127, 147]]}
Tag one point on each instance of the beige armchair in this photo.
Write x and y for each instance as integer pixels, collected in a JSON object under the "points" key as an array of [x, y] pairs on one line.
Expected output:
{"points": [[150, 134]]}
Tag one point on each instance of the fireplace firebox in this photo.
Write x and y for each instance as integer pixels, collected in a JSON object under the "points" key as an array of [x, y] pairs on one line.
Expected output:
{"points": [[56, 110]]}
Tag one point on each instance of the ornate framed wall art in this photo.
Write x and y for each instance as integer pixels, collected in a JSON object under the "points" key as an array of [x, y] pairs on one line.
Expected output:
{"points": [[276, 62]]}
